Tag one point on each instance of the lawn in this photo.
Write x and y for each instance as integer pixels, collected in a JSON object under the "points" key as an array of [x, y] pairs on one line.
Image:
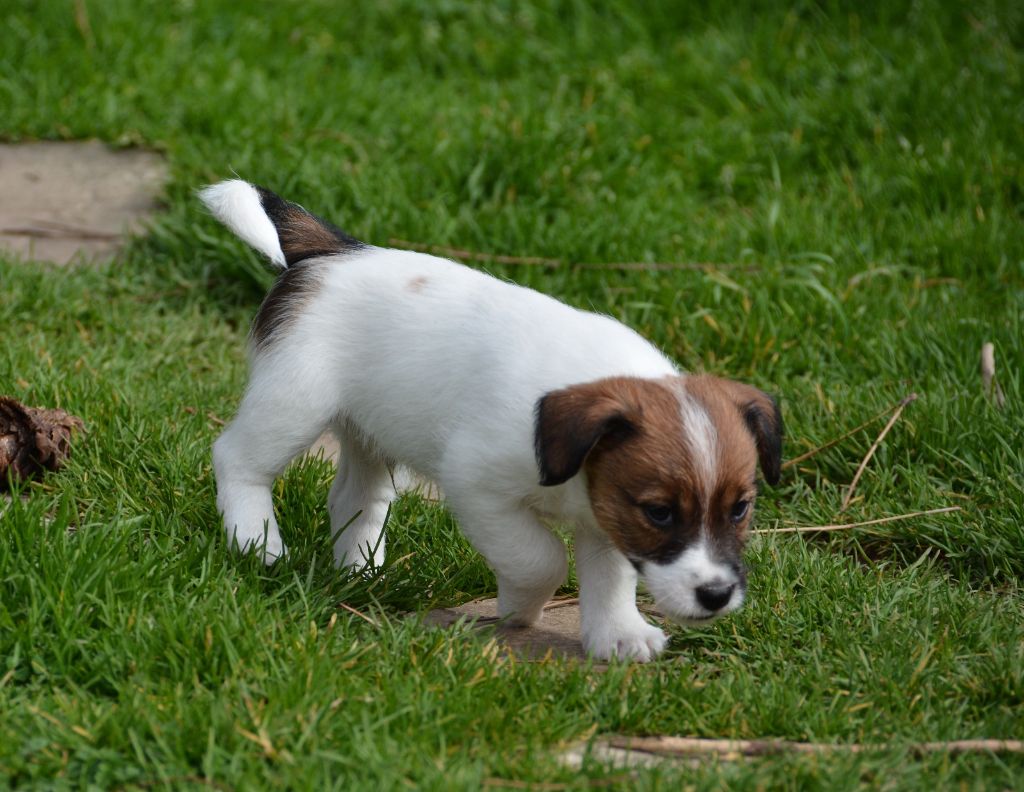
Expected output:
{"points": [[849, 178]]}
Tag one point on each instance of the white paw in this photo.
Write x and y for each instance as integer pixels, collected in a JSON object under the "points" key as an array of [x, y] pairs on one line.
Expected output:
{"points": [[636, 640], [521, 606], [269, 547], [357, 560], [520, 613], [272, 551]]}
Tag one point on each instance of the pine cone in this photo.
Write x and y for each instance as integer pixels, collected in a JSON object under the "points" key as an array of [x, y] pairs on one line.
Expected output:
{"points": [[33, 439]]}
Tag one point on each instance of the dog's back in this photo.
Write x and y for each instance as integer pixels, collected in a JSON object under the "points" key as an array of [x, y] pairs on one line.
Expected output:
{"points": [[403, 339]]}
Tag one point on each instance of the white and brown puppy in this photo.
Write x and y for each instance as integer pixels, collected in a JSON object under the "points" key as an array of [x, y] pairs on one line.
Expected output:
{"points": [[523, 409]]}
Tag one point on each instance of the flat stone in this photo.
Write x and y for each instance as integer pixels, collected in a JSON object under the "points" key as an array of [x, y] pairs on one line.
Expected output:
{"points": [[557, 634], [74, 201]]}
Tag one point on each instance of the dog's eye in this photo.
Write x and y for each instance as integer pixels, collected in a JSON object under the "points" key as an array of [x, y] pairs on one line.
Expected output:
{"points": [[658, 515], [739, 510]]}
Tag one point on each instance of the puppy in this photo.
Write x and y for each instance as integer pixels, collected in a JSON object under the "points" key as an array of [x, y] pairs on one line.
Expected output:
{"points": [[524, 410]]}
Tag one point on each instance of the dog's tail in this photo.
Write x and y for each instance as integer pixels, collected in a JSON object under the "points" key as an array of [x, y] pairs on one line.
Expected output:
{"points": [[282, 231]]}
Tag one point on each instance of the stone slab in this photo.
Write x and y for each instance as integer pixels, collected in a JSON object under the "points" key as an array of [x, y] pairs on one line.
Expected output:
{"points": [[74, 201], [558, 632]]}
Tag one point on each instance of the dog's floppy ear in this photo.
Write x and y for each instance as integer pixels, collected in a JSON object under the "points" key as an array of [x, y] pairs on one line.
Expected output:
{"points": [[764, 420], [571, 421]]}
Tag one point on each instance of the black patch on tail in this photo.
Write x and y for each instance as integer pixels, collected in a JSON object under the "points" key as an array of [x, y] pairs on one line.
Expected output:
{"points": [[302, 234]]}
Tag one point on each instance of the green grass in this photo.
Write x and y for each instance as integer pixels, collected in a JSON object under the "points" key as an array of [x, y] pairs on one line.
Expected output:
{"points": [[864, 167]]}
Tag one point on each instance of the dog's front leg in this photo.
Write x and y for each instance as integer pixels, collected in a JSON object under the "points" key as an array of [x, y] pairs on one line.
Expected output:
{"points": [[612, 625]]}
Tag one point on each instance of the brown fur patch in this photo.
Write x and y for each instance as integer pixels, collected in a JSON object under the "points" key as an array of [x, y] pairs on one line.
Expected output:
{"points": [[736, 463], [572, 421], [416, 284], [302, 234], [653, 467], [760, 414], [628, 436]]}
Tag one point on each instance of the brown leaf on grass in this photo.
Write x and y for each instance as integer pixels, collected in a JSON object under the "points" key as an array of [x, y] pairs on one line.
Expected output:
{"points": [[33, 439]]}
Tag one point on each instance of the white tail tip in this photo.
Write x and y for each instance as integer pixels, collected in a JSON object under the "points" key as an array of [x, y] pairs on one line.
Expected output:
{"points": [[238, 206]]}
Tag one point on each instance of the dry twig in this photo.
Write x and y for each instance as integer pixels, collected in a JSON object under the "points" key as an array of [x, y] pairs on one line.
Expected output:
{"points": [[511, 783], [874, 447], [733, 749], [988, 375], [360, 614], [552, 263], [837, 440], [82, 23], [191, 780], [879, 521]]}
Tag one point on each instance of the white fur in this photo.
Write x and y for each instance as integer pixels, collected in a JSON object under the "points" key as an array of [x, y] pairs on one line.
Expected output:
{"points": [[674, 585], [612, 625], [701, 437], [237, 205], [416, 360]]}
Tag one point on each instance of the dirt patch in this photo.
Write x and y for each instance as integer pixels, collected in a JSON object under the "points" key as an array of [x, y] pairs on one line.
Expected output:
{"points": [[558, 632], [74, 201]]}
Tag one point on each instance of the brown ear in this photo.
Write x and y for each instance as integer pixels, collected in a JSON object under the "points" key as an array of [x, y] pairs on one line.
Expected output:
{"points": [[571, 421], [764, 420]]}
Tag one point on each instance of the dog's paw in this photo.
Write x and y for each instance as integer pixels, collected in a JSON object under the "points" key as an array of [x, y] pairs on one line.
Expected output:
{"points": [[269, 548], [522, 606], [359, 561], [638, 641], [520, 614], [273, 551]]}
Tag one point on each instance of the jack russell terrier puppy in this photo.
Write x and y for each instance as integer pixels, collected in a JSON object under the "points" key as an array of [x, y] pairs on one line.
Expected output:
{"points": [[523, 409]]}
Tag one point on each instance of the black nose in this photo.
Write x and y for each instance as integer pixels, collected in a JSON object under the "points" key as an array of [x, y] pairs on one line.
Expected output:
{"points": [[715, 596]]}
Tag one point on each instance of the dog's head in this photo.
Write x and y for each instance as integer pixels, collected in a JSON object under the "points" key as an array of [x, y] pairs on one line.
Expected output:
{"points": [[671, 469]]}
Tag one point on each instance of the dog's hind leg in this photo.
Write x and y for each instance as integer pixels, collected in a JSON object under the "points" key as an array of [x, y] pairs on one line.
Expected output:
{"points": [[358, 502], [528, 559], [274, 424]]}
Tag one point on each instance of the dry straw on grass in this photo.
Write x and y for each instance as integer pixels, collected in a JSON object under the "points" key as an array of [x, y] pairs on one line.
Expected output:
{"points": [[874, 447], [847, 526], [680, 747], [988, 375], [553, 263]]}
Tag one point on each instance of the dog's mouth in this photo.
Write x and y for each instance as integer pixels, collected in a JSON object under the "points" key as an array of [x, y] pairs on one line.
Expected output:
{"points": [[697, 587], [686, 611]]}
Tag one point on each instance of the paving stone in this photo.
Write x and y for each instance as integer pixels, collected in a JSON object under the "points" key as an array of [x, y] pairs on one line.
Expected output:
{"points": [[74, 201], [557, 633]]}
